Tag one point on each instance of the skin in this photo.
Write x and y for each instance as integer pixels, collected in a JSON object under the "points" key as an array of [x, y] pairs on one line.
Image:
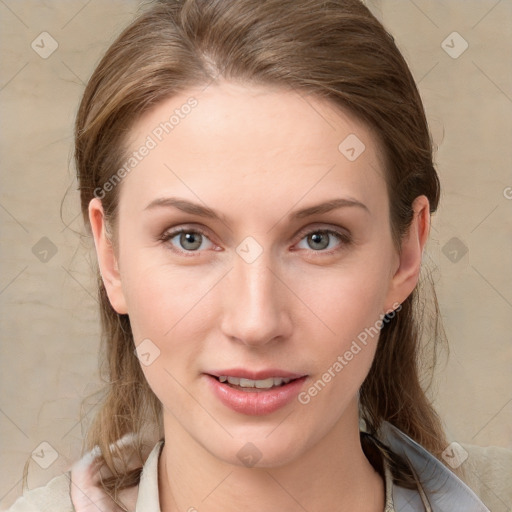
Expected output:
{"points": [[256, 154]]}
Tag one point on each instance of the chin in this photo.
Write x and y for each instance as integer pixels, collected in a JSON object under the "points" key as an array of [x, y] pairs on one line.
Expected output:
{"points": [[258, 449]]}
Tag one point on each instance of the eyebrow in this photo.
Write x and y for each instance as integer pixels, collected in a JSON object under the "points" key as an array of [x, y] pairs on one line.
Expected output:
{"points": [[204, 211]]}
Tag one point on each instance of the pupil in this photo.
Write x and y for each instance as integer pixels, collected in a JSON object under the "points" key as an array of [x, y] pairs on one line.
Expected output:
{"points": [[190, 238], [317, 238]]}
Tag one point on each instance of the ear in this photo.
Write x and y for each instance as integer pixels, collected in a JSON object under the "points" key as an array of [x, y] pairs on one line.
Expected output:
{"points": [[407, 274], [106, 257]]}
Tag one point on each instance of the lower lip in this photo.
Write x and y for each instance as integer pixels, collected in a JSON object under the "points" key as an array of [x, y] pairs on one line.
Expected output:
{"points": [[255, 403]]}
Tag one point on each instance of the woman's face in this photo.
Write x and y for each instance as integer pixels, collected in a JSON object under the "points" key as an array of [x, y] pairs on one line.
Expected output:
{"points": [[284, 267]]}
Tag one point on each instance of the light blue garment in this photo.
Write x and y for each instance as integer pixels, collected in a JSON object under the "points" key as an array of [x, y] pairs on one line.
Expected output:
{"points": [[444, 491]]}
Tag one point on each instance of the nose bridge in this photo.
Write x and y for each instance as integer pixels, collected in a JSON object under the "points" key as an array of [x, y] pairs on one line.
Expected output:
{"points": [[254, 311]]}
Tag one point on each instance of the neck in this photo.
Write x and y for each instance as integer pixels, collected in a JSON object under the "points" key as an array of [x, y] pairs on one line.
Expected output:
{"points": [[334, 474]]}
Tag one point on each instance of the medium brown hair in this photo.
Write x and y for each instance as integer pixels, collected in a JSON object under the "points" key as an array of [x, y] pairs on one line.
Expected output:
{"points": [[330, 49]]}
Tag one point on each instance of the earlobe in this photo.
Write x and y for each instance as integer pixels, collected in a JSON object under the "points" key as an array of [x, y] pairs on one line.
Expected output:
{"points": [[407, 274], [107, 260]]}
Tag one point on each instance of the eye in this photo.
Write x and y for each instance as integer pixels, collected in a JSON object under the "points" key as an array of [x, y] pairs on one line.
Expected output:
{"points": [[192, 240], [320, 239], [185, 240]]}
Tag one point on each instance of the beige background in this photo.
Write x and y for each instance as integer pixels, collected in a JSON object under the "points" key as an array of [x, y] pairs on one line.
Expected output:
{"points": [[49, 322]]}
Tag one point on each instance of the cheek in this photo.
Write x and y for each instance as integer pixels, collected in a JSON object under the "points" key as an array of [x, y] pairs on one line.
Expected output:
{"points": [[164, 307], [156, 294], [348, 298], [349, 306], [348, 302], [167, 304]]}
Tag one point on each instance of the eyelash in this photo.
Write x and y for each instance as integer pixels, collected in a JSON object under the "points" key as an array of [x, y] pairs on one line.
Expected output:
{"points": [[343, 237]]}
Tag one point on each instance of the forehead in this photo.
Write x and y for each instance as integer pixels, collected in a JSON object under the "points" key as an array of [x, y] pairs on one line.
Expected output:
{"points": [[252, 140]]}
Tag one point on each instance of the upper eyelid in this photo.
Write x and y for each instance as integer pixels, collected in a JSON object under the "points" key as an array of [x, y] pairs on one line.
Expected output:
{"points": [[303, 231], [185, 229], [312, 229]]}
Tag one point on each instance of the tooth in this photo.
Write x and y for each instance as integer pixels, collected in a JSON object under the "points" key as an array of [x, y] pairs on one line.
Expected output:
{"points": [[234, 380], [267, 383], [250, 383]]}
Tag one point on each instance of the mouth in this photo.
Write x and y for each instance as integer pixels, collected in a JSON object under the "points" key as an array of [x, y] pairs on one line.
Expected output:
{"points": [[254, 385], [255, 396]]}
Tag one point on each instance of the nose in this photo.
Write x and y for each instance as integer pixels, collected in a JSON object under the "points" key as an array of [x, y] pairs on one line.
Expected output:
{"points": [[255, 303]]}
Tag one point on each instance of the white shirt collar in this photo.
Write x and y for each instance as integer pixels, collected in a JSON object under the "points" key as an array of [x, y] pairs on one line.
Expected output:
{"points": [[148, 497]]}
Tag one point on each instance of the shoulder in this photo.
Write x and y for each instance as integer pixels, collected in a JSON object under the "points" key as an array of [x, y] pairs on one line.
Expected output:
{"points": [[488, 472], [441, 488], [54, 496], [80, 487]]}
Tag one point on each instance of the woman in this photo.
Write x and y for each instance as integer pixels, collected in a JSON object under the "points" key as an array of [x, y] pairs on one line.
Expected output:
{"points": [[258, 181]]}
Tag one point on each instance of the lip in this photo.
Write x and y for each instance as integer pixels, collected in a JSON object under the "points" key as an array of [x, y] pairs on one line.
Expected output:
{"points": [[256, 375], [256, 403]]}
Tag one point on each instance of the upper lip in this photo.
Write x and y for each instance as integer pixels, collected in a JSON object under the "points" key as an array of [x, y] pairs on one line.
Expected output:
{"points": [[256, 375]]}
